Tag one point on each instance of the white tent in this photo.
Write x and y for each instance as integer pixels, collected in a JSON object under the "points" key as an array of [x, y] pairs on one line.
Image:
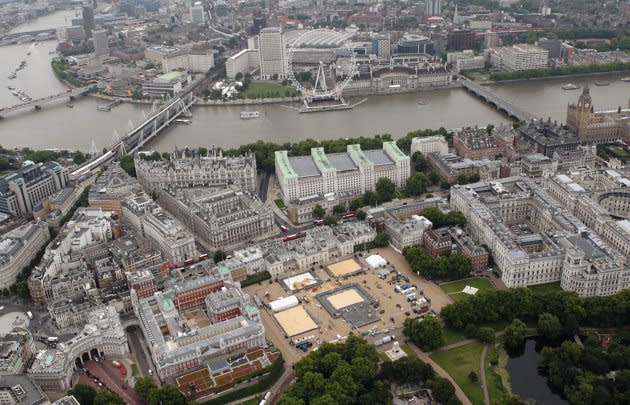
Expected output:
{"points": [[470, 290], [284, 303], [376, 261]]}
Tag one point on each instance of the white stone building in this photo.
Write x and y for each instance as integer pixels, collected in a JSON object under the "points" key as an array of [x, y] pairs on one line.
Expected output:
{"points": [[242, 62], [104, 335], [519, 57], [188, 168], [18, 248], [429, 144], [353, 172], [165, 232], [272, 53]]}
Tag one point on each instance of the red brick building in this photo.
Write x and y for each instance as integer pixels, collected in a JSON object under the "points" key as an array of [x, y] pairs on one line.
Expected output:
{"points": [[437, 242], [475, 143]]}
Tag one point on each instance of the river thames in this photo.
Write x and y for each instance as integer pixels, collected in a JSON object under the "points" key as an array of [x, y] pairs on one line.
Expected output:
{"points": [[58, 126]]}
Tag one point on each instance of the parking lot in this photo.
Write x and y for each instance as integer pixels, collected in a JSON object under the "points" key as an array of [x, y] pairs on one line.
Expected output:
{"points": [[392, 310]]}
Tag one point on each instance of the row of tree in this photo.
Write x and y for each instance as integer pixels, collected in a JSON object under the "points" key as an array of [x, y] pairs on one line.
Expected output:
{"points": [[580, 373], [265, 151], [527, 305], [449, 267], [348, 374]]}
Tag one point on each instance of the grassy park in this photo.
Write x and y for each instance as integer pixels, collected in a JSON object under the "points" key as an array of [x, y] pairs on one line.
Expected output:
{"points": [[454, 288], [459, 362]]}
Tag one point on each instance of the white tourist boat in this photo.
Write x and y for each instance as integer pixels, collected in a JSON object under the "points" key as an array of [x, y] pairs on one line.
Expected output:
{"points": [[246, 115]]}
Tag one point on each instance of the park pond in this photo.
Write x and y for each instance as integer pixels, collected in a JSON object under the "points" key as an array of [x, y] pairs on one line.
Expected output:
{"points": [[525, 379]]}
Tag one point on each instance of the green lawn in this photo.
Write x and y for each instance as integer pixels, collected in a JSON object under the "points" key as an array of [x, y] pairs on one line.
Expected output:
{"points": [[459, 362], [135, 371], [279, 203], [454, 288], [268, 90], [549, 287]]}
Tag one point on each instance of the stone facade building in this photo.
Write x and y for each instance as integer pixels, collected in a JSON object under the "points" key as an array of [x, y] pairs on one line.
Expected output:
{"points": [[353, 172], [220, 218], [188, 168], [597, 126]]}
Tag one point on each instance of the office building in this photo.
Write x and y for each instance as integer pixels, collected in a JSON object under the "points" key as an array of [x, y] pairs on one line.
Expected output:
{"points": [[197, 14], [466, 246], [272, 53], [220, 218], [62, 272], [168, 84], [405, 232], [16, 349], [188, 168], [459, 40], [547, 137], [534, 239], [111, 188], [519, 57], [415, 44], [429, 144], [475, 143], [18, 248], [450, 166], [22, 190], [165, 232], [381, 46], [173, 58], [317, 246], [101, 45], [183, 337], [242, 62], [21, 389], [432, 8], [88, 21], [353, 172], [437, 242]]}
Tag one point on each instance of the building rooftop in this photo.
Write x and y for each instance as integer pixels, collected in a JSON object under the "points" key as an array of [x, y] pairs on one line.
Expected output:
{"points": [[304, 166]]}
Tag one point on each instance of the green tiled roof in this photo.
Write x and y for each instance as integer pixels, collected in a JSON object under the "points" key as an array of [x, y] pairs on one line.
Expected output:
{"points": [[223, 269], [358, 156], [319, 156], [392, 150], [283, 163]]}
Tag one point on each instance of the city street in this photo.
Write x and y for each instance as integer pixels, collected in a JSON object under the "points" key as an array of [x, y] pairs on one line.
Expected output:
{"points": [[111, 378], [139, 351]]}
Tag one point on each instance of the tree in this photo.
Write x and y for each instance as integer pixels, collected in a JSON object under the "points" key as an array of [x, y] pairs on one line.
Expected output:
{"points": [[549, 326], [83, 393], [219, 256], [361, 215], [166, 156], [486, 335], [427, 335], [107, 398], [169, 394], [330, 220], [473, 377], [145, 387], [79, 157], [380, 240], [442, 389], [420, 163], [338, 209], [515, 333], [369, 198], [489, 128], [127, 164], [238, 76], [319, 212], [416, 184], [385, 189]]}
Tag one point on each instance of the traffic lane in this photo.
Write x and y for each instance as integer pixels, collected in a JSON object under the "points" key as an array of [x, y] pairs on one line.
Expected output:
{"points": [[113, 381], [138, 349]]}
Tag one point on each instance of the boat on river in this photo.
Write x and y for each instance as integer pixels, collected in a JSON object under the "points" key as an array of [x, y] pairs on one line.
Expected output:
{"points": [[247, 115], [570, 86]]}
